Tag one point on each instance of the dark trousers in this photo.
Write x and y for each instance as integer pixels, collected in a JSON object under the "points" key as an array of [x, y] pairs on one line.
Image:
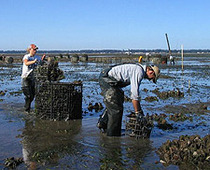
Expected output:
{"points": [[28, 88], [113, 99], [172, 61]]}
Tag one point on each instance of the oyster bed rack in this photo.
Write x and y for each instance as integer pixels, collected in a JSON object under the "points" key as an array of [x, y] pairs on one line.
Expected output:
{"points": [[58, 100]]}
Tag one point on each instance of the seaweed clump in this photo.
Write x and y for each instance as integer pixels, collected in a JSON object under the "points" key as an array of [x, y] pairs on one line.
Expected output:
{"points": [[162, 122], [167, 94], [180, 117], [12, 162], [151, 98], [96, 106]]}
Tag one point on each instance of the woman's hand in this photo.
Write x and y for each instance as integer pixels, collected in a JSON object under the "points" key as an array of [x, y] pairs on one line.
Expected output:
{"points": [[43, 57]]}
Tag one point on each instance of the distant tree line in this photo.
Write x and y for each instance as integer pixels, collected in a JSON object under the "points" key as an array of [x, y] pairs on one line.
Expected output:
{"points": [[109, 51]]}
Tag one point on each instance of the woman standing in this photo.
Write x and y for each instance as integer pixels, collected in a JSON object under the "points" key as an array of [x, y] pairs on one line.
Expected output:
{"points": [[30, 61]]}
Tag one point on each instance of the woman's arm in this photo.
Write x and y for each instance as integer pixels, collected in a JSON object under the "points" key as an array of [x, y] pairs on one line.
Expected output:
{"points": [[27, 63]]}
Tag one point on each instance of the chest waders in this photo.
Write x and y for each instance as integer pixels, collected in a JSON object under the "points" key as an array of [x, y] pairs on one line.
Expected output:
{"points": [[111, 119], [28, 87]]}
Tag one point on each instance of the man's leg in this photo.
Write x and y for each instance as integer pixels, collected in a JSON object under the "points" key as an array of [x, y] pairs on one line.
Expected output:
{"points": [[113, 100], [103, 120]]}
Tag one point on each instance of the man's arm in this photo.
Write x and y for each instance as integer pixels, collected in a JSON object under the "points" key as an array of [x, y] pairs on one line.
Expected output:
{"points": [[137, 106]]}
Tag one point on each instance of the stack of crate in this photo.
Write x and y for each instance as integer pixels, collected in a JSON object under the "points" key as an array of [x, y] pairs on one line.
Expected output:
{"points": [[56, 100]]}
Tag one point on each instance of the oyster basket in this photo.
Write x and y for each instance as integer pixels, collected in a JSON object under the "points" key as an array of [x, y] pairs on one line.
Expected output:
{"points": [[41, 73], [58, 101], [138, 126]]}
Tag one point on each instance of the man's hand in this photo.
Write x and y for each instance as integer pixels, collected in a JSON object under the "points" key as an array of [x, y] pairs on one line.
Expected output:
{"points": [[136, 114], [140, 112]]}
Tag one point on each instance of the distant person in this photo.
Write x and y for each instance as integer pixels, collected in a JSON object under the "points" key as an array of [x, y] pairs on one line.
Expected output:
{"points": [[172, 58], [148, 55], [30, 61], [111, 81], [140, 59]]}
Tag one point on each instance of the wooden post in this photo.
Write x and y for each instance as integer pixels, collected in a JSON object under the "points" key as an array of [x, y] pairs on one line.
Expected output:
{"points": [[182, 53], [169, 49]]}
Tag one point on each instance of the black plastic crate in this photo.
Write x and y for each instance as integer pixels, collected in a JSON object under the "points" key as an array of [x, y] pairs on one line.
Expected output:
{"points": [[59, 101]]}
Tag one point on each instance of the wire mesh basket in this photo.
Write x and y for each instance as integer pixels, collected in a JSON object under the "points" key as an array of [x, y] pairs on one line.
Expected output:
{"points": [[58, 101], [138, 126]]}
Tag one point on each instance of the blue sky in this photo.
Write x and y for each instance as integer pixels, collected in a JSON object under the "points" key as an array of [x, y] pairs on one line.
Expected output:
{"points": [[104, 24]]}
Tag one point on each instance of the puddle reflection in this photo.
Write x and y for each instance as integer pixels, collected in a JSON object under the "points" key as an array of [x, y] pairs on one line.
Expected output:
{"points": [[46, 141], [123, 153], [71, 145]]}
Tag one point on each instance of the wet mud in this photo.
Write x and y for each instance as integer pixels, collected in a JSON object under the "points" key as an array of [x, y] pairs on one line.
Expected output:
{"points": [[179, 105]]}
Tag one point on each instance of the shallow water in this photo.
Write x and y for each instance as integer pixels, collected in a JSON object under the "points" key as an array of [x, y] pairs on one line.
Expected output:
{"points": [[79, 144]]}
